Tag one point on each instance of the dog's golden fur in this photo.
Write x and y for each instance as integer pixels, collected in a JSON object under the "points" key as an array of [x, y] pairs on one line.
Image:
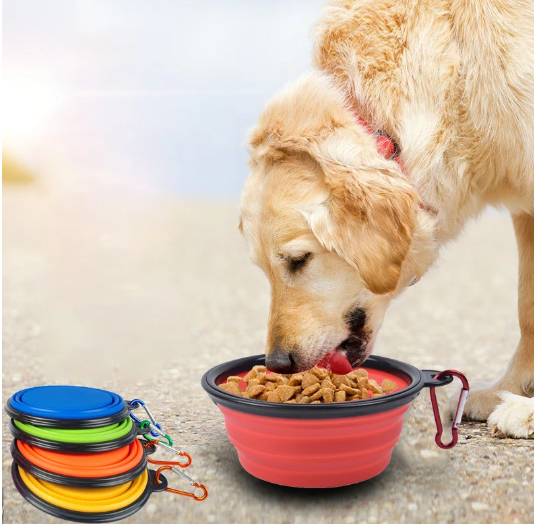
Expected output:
{"points": [[453, 83]]}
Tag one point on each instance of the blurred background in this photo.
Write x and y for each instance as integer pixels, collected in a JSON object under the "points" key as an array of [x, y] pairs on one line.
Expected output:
{"points": [[135, 97], [124, 135]]}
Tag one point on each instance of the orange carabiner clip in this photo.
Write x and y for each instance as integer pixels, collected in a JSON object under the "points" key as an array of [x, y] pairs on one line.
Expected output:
{"points": [[153, 443], [186, 477]]}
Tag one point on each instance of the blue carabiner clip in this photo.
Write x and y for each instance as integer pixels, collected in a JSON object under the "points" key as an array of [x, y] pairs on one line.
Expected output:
{"points": [[135, 403]]}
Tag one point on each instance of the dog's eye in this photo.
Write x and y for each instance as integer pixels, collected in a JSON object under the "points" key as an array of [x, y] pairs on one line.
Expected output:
{"points": [[295, 264]]}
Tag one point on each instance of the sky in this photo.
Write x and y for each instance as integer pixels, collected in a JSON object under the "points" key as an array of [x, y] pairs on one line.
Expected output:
{"points": [[153, 97]]}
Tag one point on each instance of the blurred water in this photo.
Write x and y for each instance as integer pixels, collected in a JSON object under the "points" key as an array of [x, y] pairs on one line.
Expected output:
{"points": [[149, 97]]}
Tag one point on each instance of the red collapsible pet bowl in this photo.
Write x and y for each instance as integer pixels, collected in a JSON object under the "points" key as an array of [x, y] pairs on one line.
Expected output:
{"points": [[324, 445]]}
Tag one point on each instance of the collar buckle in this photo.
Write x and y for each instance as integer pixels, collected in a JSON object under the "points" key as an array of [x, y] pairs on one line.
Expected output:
{"points": [[387, 145]]}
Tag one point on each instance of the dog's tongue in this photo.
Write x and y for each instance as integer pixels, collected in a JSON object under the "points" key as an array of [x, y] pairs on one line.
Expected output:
{"points": [[336, 362]]}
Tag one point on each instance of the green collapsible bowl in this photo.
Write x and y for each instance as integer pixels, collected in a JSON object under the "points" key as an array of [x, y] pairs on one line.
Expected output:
{"points": [[105, 438]]}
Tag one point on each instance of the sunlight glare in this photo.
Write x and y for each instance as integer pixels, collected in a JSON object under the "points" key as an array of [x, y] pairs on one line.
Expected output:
{"points": [[28, 103]]}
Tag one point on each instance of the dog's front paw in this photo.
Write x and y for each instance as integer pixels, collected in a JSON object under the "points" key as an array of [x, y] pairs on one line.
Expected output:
{"points": [[481, 401], [514, 417]]}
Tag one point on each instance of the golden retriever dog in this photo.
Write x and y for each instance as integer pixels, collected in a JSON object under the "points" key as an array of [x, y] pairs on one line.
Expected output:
{"points": [[340, 226]]}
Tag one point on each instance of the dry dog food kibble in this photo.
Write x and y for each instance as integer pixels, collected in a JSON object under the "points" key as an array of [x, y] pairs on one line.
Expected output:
{"points": [[316, 386]]}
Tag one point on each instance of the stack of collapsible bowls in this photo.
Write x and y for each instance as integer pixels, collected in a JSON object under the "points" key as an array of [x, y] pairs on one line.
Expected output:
{"points": [[76, 455]]}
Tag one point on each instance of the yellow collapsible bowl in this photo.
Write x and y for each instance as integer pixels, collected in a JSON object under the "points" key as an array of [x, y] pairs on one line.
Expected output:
{"points": [[87, 504]]}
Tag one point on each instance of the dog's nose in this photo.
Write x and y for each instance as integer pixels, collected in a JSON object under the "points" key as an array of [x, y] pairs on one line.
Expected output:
{"points": [[278, 361]]}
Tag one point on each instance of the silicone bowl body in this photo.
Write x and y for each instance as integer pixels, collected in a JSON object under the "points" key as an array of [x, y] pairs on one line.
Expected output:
{"points": [[322, 445]]}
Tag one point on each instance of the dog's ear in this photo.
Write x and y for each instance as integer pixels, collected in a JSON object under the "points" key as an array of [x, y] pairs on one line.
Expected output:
{"points": [[369, 215]]}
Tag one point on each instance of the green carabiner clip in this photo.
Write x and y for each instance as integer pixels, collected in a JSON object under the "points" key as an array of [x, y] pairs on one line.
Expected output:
{"points": [[145, 424]]}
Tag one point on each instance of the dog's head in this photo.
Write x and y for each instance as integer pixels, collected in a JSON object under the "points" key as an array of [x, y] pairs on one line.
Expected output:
{"points": [[336, 228]]}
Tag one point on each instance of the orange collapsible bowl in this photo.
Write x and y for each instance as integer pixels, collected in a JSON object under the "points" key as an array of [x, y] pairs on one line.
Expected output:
{"points": [[320, 445], [108, 468]]}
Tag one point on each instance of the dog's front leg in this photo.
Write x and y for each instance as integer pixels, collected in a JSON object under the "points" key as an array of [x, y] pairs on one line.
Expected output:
{"points": [[512, 414]]}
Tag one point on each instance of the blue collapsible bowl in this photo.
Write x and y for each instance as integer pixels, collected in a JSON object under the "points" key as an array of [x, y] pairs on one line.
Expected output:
{"points": [[68, 407]]}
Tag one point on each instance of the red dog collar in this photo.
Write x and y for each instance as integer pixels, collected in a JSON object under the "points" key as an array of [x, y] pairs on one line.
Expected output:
{"points": [[387, 147], [384, 143]]}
